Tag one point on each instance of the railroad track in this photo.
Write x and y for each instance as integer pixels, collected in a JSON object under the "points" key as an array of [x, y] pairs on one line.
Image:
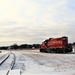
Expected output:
{"points": [[10, 70], [3, 58]]}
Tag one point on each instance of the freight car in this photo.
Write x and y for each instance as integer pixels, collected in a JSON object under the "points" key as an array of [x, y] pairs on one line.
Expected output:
{"points": [[57, 45]]}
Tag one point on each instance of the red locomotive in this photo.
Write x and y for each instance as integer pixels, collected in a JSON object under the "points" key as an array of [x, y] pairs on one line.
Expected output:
{"points": [[57, 45]]}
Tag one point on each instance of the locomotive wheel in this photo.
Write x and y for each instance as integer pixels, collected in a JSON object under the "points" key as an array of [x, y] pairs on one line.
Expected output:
{"points": [[41, 50], [64, 51], [49, 50]]}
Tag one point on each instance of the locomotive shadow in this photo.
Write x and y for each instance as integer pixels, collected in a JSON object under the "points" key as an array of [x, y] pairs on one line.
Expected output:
{"points": [[62, 53], [71, 53]]}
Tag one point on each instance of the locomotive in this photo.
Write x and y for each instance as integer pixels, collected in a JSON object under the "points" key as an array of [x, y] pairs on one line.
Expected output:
{"points": [[56, 45]]}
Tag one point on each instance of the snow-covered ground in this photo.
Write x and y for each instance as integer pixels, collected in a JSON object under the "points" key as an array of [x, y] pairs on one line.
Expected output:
{"points": [[33, 62], [7, 63]]}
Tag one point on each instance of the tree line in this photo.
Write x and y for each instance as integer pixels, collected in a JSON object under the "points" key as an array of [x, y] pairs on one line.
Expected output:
{"points": [[22, 46]]}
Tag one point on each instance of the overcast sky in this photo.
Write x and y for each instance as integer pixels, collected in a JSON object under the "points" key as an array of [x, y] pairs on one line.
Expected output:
{"points": [[32, 21]]}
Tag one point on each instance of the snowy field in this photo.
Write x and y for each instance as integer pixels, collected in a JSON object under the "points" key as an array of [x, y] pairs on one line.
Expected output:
{"points": [[33, 62]]}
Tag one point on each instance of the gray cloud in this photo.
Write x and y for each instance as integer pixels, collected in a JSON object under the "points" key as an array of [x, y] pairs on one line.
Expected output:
{"points": [[32, 21]]}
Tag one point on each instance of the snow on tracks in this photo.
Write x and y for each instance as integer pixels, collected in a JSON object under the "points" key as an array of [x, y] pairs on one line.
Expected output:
{"points": [[12, 72], [10, 64], [4, 57]]}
